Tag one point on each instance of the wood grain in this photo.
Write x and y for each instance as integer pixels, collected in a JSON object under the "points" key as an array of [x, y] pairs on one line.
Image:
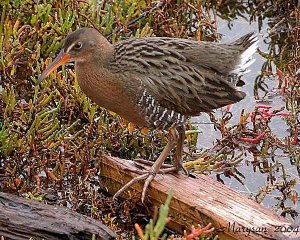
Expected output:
{"points": [[199, 200], [21, 219]]}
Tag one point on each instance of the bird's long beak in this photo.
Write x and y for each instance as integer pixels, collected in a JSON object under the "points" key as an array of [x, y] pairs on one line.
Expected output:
{"points": [[61, 59]]}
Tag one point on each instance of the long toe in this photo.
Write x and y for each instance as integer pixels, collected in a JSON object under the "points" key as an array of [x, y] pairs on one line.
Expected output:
{"points": [[130, 183], [142, 162], [146, 185]]}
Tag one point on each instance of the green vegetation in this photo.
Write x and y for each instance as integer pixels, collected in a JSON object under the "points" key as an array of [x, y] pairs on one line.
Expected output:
{"points": [[155, 230], [50, 134]]}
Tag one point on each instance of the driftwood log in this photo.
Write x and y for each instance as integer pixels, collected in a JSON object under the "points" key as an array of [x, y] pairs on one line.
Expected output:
{"points": [[22, 219], [197, 200], [201, 200]]}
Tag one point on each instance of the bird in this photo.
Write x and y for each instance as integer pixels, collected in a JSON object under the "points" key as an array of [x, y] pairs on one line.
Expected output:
{"points": [[157, 82]]}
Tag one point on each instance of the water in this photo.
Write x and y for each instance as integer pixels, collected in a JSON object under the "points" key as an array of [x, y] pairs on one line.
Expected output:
{"points": [[253, 181]]}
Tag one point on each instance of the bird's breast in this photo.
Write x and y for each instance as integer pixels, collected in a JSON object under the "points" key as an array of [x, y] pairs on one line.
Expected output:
{"points": [[104, 89]]}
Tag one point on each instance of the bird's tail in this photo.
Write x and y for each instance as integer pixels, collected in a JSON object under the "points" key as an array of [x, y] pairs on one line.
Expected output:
{"points": [[247, 45]]}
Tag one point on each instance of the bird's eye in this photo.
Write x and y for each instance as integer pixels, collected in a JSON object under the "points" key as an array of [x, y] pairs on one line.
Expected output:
{"points": [[78, 45]]}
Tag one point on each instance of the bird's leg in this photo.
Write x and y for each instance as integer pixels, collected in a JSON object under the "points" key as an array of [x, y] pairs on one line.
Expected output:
{"points": [[177, 165], [177, 159], [173, 138], [149, 176], [179, 150]]}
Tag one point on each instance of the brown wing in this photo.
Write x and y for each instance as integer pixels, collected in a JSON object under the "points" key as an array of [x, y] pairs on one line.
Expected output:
{"points": [[182, 75]]}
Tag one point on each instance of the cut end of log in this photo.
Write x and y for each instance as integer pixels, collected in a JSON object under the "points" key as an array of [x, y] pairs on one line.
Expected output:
{"points": [[22, 219]]}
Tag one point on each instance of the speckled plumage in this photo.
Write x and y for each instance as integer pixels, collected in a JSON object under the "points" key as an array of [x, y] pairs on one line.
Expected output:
{"points": [[179, 77], [157, 82]]}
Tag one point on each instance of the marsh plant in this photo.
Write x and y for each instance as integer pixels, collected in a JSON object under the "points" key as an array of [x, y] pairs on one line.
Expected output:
{"points": [[51, 134]]}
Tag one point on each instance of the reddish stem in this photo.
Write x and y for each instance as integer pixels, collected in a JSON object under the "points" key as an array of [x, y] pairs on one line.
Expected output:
{"points": [[253, 140], [263, 106], [295, 138], [284, 114]]}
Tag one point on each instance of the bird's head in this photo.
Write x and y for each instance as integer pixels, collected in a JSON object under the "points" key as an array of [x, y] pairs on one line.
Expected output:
{"points": [[79, 46]]}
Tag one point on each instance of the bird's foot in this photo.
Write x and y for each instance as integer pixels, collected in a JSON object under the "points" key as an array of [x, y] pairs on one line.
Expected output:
{"points": [[147, 176]]}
